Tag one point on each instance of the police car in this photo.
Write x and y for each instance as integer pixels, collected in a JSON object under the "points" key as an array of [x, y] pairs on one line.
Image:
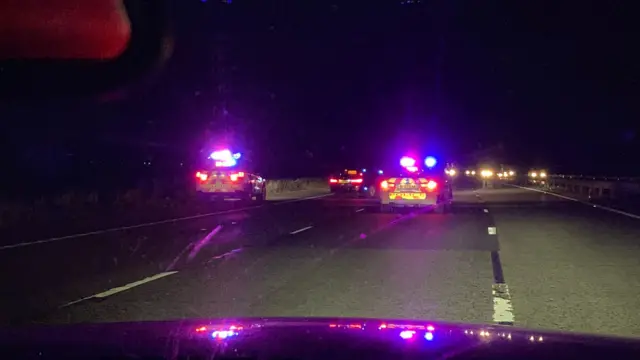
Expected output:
{"points": [[358, 182], [413, 186], [224, 179]]}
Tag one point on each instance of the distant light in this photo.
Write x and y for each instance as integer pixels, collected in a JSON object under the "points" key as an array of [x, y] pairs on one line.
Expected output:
{"points": [[473, 172], [430, 161], [543, 174], [379, 172], [428, 336], [534, 174], [364, 170], [430, 328], [412, 168], [467, 172], [511, 173], [406, 161], [237, 156], [407, 334], [452, 172]]}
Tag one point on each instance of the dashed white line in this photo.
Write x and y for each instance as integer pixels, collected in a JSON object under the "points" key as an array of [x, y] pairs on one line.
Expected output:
{"points": [[300, 230], [634, 216], [492, 230], [119, 289], [502, 306], [360, 210]]}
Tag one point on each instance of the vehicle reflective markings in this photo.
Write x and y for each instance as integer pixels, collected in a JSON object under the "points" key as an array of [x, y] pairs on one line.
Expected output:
{"points": [[120, 289], [300, 230], [492, 230], [360, 210]]}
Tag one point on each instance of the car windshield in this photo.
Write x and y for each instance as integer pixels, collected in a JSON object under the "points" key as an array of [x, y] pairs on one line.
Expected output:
{"points": [[519, 118]]}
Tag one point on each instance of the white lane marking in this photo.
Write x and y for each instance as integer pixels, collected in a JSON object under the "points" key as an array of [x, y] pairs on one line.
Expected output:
{"points": [[105, 231], [300, 230], [360, 210], [634, 216], [502, 306], [301, 199], [492, 230], [486, 210], [119, 289]]}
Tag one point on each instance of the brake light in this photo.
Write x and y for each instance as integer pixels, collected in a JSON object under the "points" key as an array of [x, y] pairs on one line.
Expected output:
{"points": [[333, 181], [202, 176], [430, 185], [356, 181], [384, 184], [233, 177]]}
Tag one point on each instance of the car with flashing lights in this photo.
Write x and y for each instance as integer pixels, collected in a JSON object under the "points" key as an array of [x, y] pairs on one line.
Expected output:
{"points": [[425, 186], [223, 177], [361, 182]]}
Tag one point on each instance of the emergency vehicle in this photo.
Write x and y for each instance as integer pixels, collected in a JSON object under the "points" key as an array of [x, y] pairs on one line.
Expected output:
{"points": [[413, 186], [223, 178]]}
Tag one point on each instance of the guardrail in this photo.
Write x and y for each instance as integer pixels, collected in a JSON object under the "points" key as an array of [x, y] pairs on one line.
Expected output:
{"points": [[599, 178], [592, 187]]}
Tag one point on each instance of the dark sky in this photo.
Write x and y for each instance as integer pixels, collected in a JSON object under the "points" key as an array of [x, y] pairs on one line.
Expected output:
{"points": [[320, 83]]}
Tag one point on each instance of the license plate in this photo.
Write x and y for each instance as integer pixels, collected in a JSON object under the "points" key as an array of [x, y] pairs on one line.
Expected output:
{"points": [[343, 182], [407, 196]]}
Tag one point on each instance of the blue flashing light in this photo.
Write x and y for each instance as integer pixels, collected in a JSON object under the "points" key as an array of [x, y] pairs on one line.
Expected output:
{"points": [[430, 161], [379, 172], [428, 336], [364, 170], [237, 156]]}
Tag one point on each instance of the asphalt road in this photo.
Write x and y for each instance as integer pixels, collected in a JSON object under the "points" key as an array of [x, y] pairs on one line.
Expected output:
{"points": [[503, 255]]}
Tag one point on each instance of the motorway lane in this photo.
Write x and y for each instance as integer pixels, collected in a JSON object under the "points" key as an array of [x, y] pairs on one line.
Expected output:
{"points": [[39, 278], [361, 263], [569, 266]]}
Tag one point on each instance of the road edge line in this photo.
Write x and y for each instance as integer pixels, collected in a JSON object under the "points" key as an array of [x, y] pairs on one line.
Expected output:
{"points": [[129, 227], [606, 208]]}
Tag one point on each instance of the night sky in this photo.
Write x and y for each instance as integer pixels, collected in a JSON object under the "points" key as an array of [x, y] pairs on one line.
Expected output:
{"points": [[307, 87]]}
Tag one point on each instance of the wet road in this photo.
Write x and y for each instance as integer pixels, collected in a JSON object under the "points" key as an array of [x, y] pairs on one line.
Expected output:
{"points": [[503, 255]]}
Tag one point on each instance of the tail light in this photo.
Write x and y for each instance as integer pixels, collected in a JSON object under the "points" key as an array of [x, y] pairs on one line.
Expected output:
{"points": [[333, 181], [236, 176], [356, 181], [430, 185], [384, 185], [202, 175]]}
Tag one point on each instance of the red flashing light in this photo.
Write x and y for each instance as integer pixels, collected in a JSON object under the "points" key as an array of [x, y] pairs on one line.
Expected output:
{"points": [[407, 161], [202, 176], [356, 181]]}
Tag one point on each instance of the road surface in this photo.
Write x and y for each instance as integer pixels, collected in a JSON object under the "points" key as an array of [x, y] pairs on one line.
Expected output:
{"points": [[504, 255]]}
